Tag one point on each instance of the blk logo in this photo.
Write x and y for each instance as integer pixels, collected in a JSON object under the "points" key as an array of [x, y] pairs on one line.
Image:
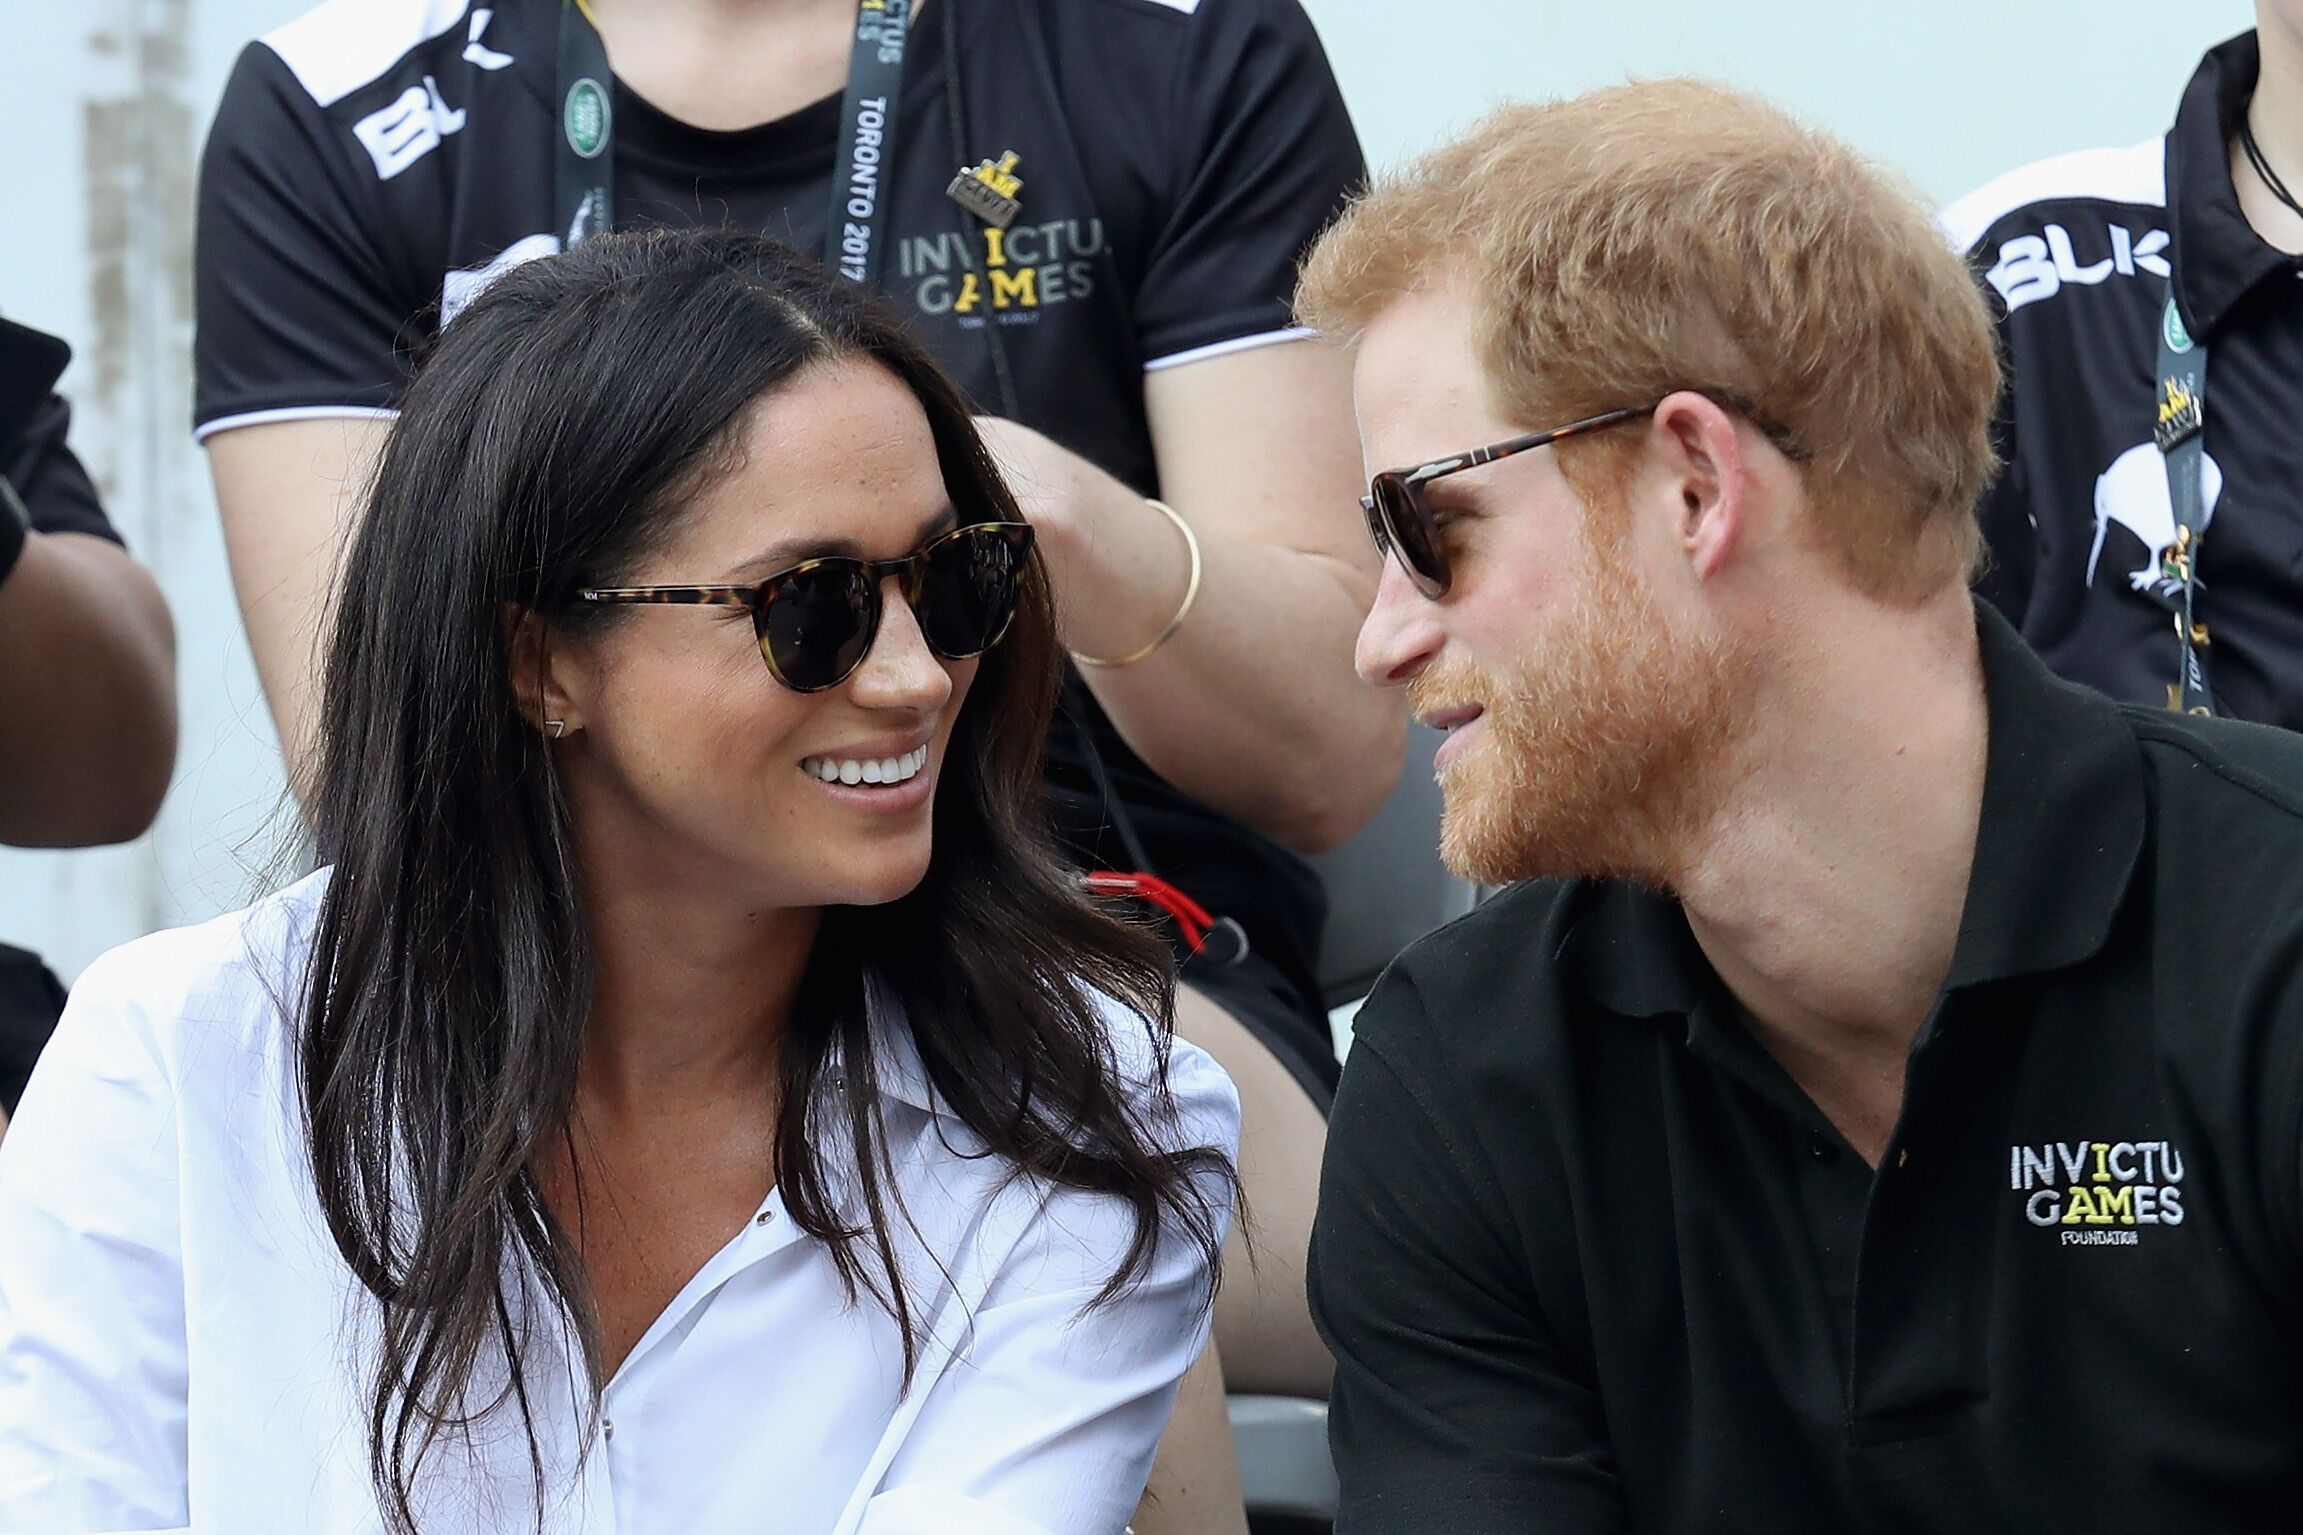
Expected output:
{"points": [[2033, 267]]}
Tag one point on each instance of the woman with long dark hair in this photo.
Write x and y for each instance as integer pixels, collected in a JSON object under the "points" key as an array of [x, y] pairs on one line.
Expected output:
{"points": [[1108, 279], [694, 1097]]}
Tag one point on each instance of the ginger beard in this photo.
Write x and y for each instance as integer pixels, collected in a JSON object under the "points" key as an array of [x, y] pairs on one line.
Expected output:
{"points": [[1603, 752]]}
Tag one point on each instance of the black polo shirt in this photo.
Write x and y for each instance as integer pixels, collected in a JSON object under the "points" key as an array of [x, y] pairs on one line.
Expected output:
{"points": [[2076, 254], [1589, 1260], [34, 419]]}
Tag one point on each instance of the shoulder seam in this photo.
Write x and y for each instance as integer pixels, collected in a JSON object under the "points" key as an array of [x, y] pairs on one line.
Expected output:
{"points": [[2135, 175], [339, 46], [2148, 729], [1467, 1159]]}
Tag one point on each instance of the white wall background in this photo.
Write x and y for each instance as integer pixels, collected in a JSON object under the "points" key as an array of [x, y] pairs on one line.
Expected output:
{"points": [[109, 100]]}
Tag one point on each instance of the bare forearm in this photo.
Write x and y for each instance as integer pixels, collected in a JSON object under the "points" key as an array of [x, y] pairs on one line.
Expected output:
{"points": [[88, 691], [1252, 707], [288, 492]]}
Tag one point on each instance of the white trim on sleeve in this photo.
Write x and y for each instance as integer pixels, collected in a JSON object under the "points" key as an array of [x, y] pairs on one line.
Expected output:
{"points": [[208, 429], [336, 47], [1236, 344], [2136, 174]]}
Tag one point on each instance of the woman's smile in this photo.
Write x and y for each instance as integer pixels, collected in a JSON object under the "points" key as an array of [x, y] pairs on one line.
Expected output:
{"points": [[853, 768], [884, 783]]}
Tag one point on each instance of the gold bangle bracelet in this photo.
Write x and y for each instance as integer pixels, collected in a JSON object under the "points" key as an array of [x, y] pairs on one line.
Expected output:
{"points": [[1190, 596]]}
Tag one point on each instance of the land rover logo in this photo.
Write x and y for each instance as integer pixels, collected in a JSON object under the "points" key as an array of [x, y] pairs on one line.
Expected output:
{"points": [[2171, 325], [585, 117]]}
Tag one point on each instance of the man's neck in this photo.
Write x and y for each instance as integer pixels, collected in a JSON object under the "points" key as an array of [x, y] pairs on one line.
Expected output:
{"points": [[1828, 894], [714, 14], [2276, 117], [729, 64]]}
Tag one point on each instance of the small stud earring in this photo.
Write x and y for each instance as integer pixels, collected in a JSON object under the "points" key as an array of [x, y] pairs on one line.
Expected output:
{"points": [[558, 728]]}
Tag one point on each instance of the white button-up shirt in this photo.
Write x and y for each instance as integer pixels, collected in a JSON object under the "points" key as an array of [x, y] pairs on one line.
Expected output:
{"points": [[183, 1349]]}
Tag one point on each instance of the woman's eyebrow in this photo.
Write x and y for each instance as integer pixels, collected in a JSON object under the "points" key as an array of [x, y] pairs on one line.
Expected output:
{"points": [[785, 553], [942, 522]]}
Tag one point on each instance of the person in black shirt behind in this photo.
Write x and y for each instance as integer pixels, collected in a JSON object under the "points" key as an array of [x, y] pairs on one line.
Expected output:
{"points": [[1108, 278], [1890, 1122], [2080, 255], [87, 669]]}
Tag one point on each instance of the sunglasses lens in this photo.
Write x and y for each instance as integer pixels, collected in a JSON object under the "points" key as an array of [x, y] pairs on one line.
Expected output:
{"points": [[817, 623], [1407, 532], [970, 586]]}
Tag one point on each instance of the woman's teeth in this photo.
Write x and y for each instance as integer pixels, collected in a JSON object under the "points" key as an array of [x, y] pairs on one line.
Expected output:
{"points": [[851, 770]]}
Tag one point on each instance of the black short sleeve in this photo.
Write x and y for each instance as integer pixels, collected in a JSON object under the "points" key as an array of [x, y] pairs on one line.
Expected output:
{"points": [[51, 480], [295, 302], [1454, 1407], [1265, 156]]}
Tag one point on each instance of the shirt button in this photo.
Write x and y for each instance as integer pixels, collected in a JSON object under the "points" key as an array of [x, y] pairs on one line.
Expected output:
{"points": [[763, 1217], [608, 1429], [1902, 1156], [1821, 1149]]}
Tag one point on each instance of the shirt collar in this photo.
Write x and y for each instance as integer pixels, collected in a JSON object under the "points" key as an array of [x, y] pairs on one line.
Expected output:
{"points": [[2062, 822], [2059, 834], [896, 1062], [1629, 949], [2218, 257]]}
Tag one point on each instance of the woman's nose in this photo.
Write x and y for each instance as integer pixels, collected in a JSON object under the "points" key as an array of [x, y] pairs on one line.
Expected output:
{"points": [[900, 671]]}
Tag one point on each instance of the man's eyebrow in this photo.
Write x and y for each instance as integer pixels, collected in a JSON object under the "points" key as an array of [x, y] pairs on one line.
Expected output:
{"points": [[787, 552]]}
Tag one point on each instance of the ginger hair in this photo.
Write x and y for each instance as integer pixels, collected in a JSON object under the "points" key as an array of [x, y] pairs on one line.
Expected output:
{"points": [[1672, 234]]}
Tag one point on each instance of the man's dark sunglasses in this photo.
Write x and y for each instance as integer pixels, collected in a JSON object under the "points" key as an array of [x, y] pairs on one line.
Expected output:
{"points": [[1400, 519], [816, 621]]}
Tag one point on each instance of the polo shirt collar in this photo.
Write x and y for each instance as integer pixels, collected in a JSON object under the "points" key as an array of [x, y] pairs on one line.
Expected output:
{"points": [[2218, 257], [2059, 835], [1629, 949], [2062, 822]]}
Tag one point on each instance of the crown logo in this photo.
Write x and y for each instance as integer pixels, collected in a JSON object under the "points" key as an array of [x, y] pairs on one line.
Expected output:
{"points": [[988, 190], [2180, 415]]}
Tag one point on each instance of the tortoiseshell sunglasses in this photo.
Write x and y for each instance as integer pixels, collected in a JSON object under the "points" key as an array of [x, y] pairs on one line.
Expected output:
{"points": [[1400, 520], [816, 621]]}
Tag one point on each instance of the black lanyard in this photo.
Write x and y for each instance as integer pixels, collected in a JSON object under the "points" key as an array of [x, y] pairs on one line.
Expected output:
{"points": [[2179, 427], [583, 191]]}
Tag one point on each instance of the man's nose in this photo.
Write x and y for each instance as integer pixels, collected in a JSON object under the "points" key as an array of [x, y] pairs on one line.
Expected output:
{"points": [[1401, 632]]}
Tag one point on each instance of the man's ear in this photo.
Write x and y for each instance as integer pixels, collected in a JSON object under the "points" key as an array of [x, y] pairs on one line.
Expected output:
{"points": [[540, 664], [1704, 458]]}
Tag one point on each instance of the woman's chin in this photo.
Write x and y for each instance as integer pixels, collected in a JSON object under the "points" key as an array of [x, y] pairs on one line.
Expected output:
{"points": [[889, 879]]}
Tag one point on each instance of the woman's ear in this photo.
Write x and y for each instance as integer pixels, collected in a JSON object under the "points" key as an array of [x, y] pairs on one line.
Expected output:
{"points": [[538, 659]]}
